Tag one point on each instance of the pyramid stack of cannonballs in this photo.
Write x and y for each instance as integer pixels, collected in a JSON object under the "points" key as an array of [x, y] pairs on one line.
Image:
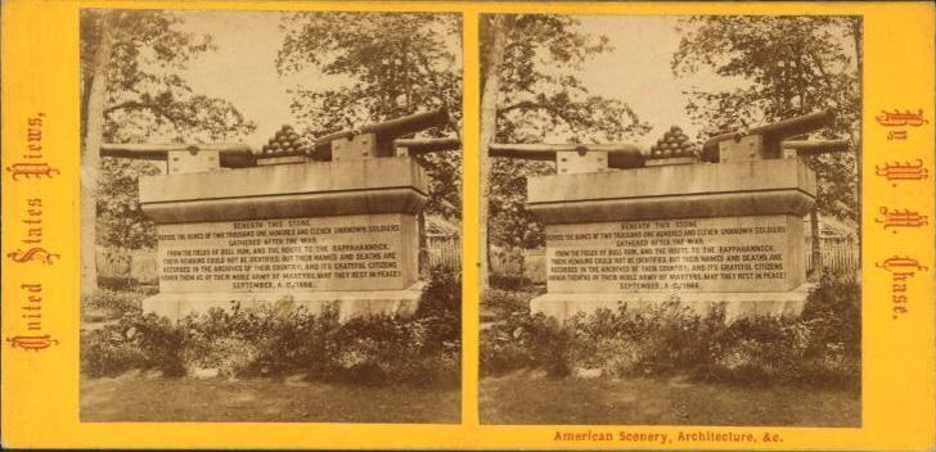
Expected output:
{"points": [[285, 142], [674, 143]]}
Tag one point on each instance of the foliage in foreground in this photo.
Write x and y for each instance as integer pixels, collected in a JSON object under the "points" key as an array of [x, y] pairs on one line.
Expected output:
{"points": [[277, 340], [821, 347], [110, 304]]}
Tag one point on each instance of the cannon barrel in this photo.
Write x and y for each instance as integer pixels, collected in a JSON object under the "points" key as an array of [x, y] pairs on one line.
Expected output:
{"points": [[386, 131], [804, 148], [416, 147], [621, 156], [230, 155], [772, 132]]}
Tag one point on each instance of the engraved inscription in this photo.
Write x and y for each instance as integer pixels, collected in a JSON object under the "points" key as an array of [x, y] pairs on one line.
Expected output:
{"points": [[333, 253], [696, 255]]}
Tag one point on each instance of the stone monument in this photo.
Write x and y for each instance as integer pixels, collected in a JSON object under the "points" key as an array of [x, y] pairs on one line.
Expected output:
{"points": [[333, 224], [626, 227]]}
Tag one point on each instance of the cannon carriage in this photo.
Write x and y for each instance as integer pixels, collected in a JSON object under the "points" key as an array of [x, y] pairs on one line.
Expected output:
{"points": [[384, 139], [766, 142]]}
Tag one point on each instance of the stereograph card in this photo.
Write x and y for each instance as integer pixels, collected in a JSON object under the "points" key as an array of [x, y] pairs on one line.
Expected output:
{"points": [[468, 225]]}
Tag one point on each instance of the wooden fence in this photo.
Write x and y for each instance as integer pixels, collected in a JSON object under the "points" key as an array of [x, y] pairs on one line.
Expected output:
{"points": [[839, 256], [444, 251], [137, 265]]}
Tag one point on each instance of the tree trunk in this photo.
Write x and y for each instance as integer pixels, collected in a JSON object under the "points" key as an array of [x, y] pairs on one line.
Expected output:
{"points": [[91, 159], [489, 97], [815, 237], [859, 160], [423, 264]]}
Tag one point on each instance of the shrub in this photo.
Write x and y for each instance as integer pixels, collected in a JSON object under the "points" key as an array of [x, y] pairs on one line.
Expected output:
{"points": [[833, 312], [554, 346], [135, 341], [113, 349], [510, 282], [117, 283], [508, 344], [440, 310], [442, 295], [280, 339], [161, 342], [265, 340], [292, 341], [378, 348], [618, 342], [661, 339], [112, 303], [821, 347], [505, 303], [758, 350], [424, 349]]}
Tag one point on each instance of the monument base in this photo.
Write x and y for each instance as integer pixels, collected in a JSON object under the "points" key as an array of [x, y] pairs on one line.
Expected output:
{"points": [[349, 304], [563, 306]]}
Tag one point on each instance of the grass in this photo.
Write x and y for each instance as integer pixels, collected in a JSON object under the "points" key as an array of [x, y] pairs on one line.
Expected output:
{"points": [[136, 398], [529, 399]]}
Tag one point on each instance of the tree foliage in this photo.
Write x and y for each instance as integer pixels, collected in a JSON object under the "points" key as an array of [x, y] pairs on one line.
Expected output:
{"points": [[541, 99], [778, 67], [379, 66], [146, 100]]}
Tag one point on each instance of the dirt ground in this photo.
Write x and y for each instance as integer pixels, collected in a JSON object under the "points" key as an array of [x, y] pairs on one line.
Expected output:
{"points": [[526, 398], [522, 398], [136, 397]]}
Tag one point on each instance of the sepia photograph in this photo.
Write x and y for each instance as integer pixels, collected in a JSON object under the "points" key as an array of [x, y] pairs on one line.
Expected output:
{"points": [[467, 225], [271, 216], [670, 220]]}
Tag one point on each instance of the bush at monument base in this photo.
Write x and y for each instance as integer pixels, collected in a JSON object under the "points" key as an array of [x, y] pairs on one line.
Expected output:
{"points": [[110, 303], [423, 349], [822, 346]]}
